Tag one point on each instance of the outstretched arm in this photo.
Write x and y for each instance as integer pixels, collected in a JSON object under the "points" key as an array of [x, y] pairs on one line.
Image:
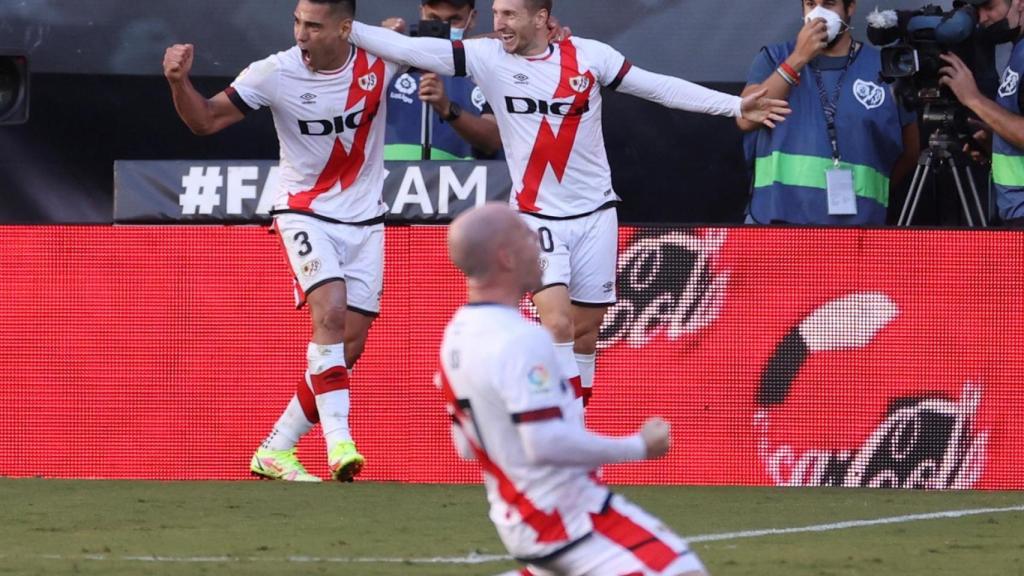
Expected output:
{"points": [[682, 95], [560, 442], [430, 54]]}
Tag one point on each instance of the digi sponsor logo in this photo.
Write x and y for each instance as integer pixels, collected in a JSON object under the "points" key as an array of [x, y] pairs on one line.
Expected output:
{"points": [[338, 125], [522, 105]]}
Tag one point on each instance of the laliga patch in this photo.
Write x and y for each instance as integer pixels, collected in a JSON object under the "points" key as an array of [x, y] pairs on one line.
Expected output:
{"points": [[478, 98], [540, 378], [311, 268], [869, 94], [1011, 81], [368, 82], [406, 84], [580, 83]]}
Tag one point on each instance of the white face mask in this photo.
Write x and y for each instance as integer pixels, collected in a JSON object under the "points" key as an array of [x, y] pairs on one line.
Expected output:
{"points": [[458, 33], [833, 22]]}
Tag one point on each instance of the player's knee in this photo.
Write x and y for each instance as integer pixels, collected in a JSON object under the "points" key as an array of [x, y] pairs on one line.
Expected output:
{"points": [[331, 319], [560, 326]]}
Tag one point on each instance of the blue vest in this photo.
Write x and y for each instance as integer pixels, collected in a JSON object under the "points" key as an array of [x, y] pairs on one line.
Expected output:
{"points": [[790, 161], [1007, 161], [405, 113]]}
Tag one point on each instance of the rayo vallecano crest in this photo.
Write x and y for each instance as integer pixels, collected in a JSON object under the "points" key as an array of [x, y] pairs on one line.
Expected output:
{"points": [[1011, 81], [869, 94], [580, 83], [368, 82]]}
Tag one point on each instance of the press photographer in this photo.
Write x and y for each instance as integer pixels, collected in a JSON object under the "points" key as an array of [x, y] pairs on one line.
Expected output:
{"points": [[848, 140], [1001, 20]]}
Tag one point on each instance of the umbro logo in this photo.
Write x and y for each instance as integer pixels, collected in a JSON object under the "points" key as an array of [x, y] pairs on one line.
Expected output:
{"points": [[521, 78], [308, 98]]}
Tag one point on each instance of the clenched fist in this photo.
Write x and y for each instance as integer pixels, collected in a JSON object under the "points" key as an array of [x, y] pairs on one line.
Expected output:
{"points": [[657, 437], [178, 62]]}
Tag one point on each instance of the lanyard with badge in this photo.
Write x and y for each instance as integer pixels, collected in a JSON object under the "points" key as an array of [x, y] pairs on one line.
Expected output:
{"points": [[842, 199]]}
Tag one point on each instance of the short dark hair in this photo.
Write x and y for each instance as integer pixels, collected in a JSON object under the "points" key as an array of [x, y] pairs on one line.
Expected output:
{"points": [[455, 3], [538, 5], [344, 7], [846, 3]]}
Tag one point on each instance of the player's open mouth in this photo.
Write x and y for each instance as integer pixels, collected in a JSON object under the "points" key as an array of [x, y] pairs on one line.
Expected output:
{"points": [[305, 57]]}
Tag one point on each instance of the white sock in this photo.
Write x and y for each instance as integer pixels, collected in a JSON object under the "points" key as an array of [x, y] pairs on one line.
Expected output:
{"points": [[331, 388], [292, 425], [570, 369], [587, 364]]}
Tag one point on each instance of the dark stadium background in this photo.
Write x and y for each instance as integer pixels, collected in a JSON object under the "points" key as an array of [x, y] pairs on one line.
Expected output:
{"points": [[98, 94]]}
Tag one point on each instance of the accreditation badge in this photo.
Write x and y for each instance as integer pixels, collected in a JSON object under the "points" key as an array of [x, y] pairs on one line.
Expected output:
{"points": [[842, 200]]}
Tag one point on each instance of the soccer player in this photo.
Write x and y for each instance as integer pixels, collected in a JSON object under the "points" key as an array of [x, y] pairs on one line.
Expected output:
{"points": [[326, 99], [518, 417], [547, 102]]}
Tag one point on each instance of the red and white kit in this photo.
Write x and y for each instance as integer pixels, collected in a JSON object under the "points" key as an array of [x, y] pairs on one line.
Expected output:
{"points": [[519, 419], [548, 110], [329, 208]]}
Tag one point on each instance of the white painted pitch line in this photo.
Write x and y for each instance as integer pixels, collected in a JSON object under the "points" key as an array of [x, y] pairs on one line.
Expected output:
{"points": [[489, 558], [852, 524]]}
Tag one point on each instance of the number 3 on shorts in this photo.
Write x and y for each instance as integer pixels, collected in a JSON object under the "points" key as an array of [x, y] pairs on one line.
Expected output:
{"points": [[305, 247]]}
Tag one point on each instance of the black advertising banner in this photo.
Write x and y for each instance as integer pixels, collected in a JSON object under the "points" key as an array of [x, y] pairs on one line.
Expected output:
{"points": [[243, 192]]}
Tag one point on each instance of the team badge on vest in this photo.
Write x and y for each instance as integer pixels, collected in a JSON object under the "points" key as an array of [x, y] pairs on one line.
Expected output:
{"points": [[579, 83], [478, 98], [1011, 81], [869, 94], [368, 82], [406, 84]]}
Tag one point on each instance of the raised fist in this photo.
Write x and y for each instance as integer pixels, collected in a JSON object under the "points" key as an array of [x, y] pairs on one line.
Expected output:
{"points": [[178, 62]]}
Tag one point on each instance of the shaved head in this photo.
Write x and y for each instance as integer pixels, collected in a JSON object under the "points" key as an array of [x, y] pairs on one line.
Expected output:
{"points": [[475, 238]]}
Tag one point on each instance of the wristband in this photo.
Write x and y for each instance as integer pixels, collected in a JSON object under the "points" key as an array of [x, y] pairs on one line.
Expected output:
{"points": [[791, 71], [789, 79]]}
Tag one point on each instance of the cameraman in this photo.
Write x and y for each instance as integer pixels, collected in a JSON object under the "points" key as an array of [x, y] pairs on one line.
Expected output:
{"points": [[1002, 20], [848, 140]]}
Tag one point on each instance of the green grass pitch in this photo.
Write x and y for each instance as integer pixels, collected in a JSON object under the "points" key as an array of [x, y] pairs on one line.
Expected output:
{"points": [[367, 529]]}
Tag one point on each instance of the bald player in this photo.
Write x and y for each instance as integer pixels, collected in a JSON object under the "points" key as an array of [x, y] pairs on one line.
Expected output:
{"points": [[514, 412]]}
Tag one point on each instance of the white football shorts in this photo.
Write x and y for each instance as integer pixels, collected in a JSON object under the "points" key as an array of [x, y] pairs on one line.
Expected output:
{"points": [[320, 252], [580, 253]]}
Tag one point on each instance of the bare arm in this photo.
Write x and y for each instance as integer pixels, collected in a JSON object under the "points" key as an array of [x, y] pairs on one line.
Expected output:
{"points": [[480, 131], [811, 42], [431, 54], [959, 78], [203, 116]]}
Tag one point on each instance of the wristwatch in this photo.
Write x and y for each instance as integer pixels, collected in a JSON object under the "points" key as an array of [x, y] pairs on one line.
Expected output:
{"points": [[454, 111]]}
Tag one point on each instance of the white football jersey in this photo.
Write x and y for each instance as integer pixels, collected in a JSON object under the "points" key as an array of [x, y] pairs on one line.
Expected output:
{"points": [[499, 372], [549, 112], [331, 131]]}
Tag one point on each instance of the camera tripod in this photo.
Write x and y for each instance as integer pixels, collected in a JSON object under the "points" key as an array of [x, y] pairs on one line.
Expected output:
{"points": [[943, 152]]}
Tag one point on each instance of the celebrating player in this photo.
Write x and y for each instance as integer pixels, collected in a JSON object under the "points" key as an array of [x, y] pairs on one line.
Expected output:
{"points": [[513, 412], [325, 97], [547, 102]]}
